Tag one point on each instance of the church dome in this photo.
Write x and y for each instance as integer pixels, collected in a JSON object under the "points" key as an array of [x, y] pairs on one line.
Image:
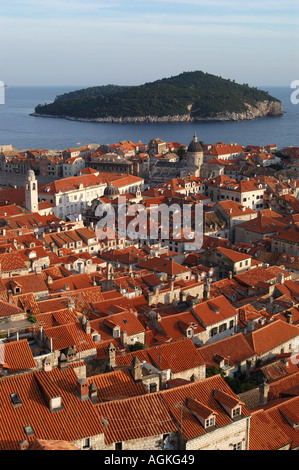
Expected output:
{"points": [[111, 191], [195, 146]]}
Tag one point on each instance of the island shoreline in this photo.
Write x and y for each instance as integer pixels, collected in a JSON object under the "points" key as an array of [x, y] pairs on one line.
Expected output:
{"points": [[248, 115]]}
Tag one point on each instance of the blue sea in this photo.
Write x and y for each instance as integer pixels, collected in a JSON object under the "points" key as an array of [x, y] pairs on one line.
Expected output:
{"points": [[23, 131]]}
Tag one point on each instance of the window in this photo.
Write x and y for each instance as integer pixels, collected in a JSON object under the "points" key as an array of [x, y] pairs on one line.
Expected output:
{"points": [[29, 430], [118, 446], [210, 422], [86, 443], [236, 412], [153, 388], [237, 446], [214, 331], [16, 400], [222, 327], [231, 324], [189, 332], [116, 333]]}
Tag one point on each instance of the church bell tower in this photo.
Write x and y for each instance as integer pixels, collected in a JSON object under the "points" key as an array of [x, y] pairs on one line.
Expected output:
{"points": [[31, 192]]}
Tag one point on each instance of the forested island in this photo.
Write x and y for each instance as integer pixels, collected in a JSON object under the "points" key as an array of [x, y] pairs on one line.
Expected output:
{"points": [[189, 96]]}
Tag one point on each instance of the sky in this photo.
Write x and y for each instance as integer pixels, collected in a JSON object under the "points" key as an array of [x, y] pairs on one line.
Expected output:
{"points": [[130, 42]]}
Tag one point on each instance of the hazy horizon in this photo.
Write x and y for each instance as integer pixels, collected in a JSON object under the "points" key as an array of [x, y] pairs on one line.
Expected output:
{"points": [[77, 87], [99, 42]]}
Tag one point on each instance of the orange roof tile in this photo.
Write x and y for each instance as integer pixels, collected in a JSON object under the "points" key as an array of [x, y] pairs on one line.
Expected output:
{"points": [[33, 410], [136, 418], [234, 350], [177, 356], [271, 336], [214, 311], [17, 356], [116, 384]]}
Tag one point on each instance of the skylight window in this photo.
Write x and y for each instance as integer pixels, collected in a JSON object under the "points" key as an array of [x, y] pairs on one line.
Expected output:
{"points": [[16, 400], [29, 430]]}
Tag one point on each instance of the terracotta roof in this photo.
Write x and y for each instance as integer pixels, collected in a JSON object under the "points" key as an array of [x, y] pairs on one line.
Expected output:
{"points": [[214, 311], [170, 328], [272, 429], [43, 444], [235, 209], [126, 321], [71, 334], [34, 411], [17, 356], [263, 224], [116, 384], [265, 433], [56, 318], [170, 267], [233, 350], [210, 393], [234, 256], [178, 356], [281, 387], [271, 336], [261, 274], [74, 282], [71, 184], [29, 283], [136, 418], [12, 262], [9, 210], [8, 309]]}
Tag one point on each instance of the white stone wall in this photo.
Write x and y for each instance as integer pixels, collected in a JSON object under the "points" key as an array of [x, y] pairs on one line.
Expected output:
{"points": [[222, 438]]}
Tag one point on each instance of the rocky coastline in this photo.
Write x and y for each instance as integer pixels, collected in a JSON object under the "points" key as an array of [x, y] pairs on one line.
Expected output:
{"points": [[261, 109]]}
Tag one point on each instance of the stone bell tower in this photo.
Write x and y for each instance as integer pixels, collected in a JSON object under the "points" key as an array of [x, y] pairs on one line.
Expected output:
{"points": [[31, 192]]}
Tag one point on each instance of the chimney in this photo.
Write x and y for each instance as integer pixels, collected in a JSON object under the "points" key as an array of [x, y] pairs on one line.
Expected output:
{"points": [[281, 278], [111, 353], [87, 327], [206, 292], [63, 361], [289, 316], [264, 390], [47, 365], [230, 275], [136, 369], [124, 338], [242, 315], [93, 393], [82, 389], [9, 295], [70, 303]]}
